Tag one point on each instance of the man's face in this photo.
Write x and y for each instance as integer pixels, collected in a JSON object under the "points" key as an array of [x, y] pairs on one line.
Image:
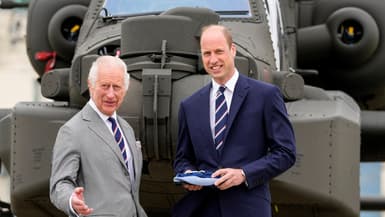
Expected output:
{"points": [[217, 55], [109, 91]]}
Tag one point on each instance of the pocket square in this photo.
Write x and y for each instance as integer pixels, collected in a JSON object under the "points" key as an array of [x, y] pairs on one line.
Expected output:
{"points": [[201, 178]]}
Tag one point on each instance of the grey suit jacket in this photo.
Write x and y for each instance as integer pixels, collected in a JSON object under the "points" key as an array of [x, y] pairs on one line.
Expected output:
{"points": [[86, 155]]}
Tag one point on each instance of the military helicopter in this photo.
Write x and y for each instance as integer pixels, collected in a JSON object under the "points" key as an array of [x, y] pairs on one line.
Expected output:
{"points": [[324, 55]]}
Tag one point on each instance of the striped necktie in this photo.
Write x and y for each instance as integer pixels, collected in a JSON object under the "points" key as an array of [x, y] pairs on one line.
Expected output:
{"points": [[119, 139], [221, 115]]}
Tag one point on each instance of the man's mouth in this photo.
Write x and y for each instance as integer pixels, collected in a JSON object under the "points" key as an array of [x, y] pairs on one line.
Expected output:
{"points": [[109, 103], [215, 68]]}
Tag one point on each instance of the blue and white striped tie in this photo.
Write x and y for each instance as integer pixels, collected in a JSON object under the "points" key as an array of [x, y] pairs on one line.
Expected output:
{"points": [[119, 139], [221, 116]]}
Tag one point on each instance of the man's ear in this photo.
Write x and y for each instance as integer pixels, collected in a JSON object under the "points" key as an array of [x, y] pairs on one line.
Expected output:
{"points": [[233, 49], [89, 87]]}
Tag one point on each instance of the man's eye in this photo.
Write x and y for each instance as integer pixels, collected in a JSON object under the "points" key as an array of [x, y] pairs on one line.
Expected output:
{"points": [[219, 52], [117, 87]]}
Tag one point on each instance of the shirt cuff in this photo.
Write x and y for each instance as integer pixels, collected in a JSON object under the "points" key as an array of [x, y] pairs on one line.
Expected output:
{"points": [[244, 175], [71, 209]]}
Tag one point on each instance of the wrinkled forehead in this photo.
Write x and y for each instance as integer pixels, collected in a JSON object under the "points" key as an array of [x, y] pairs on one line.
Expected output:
{"points": [[110, 76]]}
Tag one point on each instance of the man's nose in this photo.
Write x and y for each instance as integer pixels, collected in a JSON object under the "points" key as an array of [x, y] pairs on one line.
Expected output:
{"points": [[110, 91], [213, 59]]}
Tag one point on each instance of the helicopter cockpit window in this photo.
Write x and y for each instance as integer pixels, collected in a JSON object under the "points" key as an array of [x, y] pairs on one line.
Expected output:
{"points": [[225, 8]]}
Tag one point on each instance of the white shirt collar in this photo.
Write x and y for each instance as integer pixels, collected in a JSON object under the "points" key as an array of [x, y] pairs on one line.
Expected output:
{"points": [[230, 84], [101, 115]]}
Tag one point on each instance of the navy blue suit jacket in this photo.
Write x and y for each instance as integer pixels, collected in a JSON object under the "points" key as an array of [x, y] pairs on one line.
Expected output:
{"points": [[259, 139]]}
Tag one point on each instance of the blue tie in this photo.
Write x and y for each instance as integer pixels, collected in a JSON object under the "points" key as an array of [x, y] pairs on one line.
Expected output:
{"points": [[119, 139], [221, 115]]}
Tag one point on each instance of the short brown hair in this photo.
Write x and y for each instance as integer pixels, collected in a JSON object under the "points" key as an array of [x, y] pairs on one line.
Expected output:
{"points": [[225, 31]]}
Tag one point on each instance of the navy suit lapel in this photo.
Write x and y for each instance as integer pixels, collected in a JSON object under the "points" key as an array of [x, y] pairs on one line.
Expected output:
{"points": [[204, 119], [240, 92]]}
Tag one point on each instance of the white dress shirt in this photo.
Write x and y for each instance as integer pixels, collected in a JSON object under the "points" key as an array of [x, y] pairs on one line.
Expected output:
{"points": [[230, 86]]}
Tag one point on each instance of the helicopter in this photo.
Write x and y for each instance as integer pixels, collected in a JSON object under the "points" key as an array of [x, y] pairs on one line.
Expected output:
{"points": [[325, 56]]}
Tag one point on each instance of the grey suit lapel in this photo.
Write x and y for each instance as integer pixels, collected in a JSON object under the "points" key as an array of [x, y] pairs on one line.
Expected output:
{"points": [[96, 125], [131, 144]]}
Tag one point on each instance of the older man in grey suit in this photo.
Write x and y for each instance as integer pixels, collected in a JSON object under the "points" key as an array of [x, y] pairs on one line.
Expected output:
{"points": [[96, 164]]}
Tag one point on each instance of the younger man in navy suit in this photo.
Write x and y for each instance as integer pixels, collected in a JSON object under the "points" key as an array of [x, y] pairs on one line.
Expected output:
{"points": [[235, 127]]}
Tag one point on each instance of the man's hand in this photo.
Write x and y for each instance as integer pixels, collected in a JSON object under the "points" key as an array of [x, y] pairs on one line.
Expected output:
{"points": [[228, 178], [78, 204], [192, 187]]}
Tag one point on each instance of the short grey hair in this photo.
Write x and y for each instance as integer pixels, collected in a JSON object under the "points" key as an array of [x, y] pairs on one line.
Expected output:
{"points": [[94, 70]]}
